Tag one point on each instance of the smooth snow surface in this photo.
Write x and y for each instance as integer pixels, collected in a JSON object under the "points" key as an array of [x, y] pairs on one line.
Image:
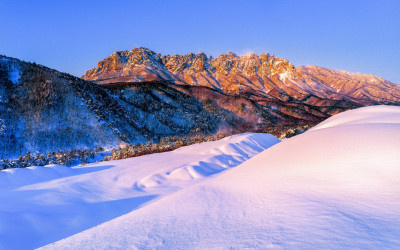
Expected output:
{"points": [[369, 115], [330, 188], [40, 205]]}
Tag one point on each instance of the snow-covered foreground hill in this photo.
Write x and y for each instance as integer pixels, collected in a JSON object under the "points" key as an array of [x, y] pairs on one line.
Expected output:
{"points": [[335, 186], [40, 205]]}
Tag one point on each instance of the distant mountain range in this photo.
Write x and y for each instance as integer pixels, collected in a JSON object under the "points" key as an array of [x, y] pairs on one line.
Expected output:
{"points": [[283, 94], [263, 77], [139, 95]]}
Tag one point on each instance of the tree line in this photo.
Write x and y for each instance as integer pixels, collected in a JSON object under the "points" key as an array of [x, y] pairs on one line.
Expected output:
{"points": [[168, 143]]}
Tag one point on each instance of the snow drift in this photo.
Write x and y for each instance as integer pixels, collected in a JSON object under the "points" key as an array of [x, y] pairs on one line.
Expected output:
{"points": [[39, 205], [336, 186]]}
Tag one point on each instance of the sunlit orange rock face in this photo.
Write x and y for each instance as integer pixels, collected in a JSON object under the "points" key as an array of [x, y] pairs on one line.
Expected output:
{"points": [[263, 75], [307, 92], [228, 72]]}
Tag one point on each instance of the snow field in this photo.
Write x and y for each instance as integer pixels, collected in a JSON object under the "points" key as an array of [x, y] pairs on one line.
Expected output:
{"points": [[335, 187], [40, 205]]}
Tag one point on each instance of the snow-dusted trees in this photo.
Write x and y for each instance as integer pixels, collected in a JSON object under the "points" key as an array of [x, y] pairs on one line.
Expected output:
{"points": [[43, 112], [165, 144], [69, 158]]}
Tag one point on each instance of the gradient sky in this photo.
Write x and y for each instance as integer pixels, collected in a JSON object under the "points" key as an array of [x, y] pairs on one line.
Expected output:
{"points": [[72, 36]]}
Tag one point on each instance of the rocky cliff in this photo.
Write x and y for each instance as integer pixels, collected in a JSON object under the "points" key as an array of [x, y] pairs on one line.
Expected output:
{"points": [[264, 76]]}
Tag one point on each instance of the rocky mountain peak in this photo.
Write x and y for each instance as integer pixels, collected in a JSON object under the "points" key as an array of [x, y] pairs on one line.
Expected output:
{"points": [[262, 75], [180, 68]]}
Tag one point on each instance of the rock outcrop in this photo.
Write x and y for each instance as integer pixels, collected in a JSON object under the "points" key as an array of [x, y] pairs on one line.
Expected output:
{"points": [[252, 75]]}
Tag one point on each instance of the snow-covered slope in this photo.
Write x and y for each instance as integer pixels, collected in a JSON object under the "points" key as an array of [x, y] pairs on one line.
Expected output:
{"points": [[40, 205], [333, 187], [372, 115]]}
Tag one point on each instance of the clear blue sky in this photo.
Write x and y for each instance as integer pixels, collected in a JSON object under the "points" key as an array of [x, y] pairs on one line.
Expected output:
{"points": [[72, 36]]}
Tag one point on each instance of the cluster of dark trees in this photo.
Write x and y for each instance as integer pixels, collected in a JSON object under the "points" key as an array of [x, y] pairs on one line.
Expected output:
{"points": [[287, 131], [168, 143], [69, 158], [165, 144], [43, 112], [75, 157]]}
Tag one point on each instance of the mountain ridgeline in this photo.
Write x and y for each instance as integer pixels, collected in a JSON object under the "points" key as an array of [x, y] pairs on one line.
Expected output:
{"points": [[270, 91], [139, 95], [259, 77]]}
